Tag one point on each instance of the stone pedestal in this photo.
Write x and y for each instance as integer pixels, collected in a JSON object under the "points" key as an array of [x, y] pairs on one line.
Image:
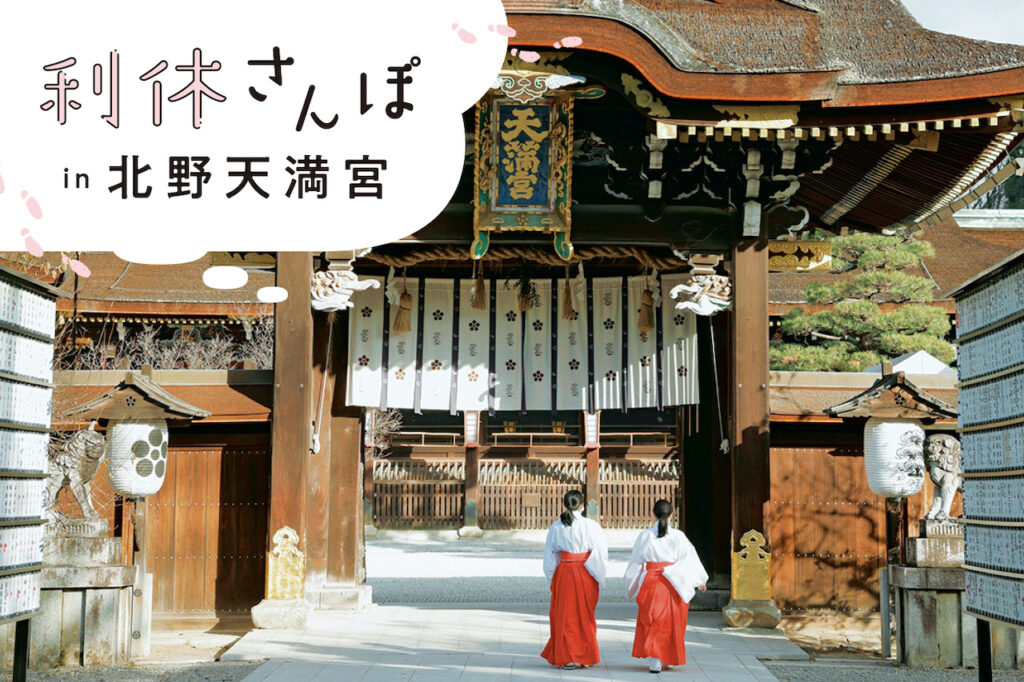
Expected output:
{"points": [[940, 545], [86, 606], [282, 614], [741, 613], [932, 629], [751, 605]]}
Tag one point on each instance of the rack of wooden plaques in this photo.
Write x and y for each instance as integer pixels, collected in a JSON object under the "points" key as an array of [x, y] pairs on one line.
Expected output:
{"points": [[27, 321], [990, 335]]}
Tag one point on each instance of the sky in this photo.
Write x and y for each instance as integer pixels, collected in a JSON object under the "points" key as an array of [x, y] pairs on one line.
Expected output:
{"points": [[1001, 21]]}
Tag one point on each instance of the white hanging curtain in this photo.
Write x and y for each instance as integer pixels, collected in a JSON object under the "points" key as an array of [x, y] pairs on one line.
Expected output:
{"points": [[537, 348], [679, 347], [436, 368], [508, 356], [642, 347], [541, 357], [365, 344], [607, 316], [474, 344], [572, 348], [401, 380]]}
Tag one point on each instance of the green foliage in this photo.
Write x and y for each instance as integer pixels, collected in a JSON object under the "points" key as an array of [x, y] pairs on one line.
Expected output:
{"points": [[892, 345], [834, 357], [897, 287], [916, 319], [854, 333], [871, 252]]}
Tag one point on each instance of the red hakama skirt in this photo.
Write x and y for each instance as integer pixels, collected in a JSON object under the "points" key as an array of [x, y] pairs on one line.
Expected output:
{"points": [[661, 620], [574, 595]]}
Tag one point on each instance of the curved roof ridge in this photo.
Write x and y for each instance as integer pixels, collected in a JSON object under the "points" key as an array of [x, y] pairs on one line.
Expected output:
{"points": [[871, 41]]}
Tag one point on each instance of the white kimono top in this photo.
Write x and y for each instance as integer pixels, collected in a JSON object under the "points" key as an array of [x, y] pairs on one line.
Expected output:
{"points": [[686, 574], [584, 535]]}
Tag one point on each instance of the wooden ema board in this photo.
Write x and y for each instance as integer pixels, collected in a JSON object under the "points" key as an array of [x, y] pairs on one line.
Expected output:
{"points": [[28, 315], [990, 400]]}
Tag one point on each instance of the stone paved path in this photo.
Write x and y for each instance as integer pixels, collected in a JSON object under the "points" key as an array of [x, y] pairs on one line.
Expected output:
{"points": [[450, 609], [406, 567], [490, 642]]}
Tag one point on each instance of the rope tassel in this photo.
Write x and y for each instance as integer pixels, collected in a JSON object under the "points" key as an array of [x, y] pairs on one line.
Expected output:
{"points": [[479, 290], [645, 322], [403, 316], [568, 299]]}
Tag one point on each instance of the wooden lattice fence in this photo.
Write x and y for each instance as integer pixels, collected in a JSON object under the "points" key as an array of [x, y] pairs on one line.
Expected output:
{"points": [[417, 494], [525, 495], [516, 494], [629, 490]]}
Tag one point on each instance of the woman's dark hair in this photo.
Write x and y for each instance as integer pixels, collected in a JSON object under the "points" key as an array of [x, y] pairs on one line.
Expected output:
{"points": [[662, 510], [572, 501]]}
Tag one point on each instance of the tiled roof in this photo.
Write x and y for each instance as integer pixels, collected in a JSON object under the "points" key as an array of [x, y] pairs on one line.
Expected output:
{"points": [[165, 284], [868, 41]]}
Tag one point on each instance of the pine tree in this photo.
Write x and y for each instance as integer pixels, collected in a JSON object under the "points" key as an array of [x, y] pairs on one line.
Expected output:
{"points": [[854, 333]]}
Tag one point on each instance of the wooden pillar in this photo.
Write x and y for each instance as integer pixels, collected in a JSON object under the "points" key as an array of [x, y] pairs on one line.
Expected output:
{"points": [[318, 470], [285, 604], [593, 487], [369, 453], [470, 512], [346, 558], [751, 603], [707, 495], [293, 374]]}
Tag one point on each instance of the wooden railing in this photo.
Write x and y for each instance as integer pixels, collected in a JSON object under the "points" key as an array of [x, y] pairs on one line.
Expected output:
{"points": [[634, 438], [425, 438], [534, 438]]}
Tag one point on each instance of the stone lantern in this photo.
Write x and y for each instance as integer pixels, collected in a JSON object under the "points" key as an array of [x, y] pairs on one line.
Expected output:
{"points": [[137, 412], [895, 410], [925, 571]]}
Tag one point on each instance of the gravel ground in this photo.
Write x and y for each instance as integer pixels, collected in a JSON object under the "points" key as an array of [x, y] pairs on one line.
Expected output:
{"points": [[801, 672], [179, 672]]}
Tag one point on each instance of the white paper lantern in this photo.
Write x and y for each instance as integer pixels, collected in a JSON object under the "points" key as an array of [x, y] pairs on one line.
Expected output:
{"points": [[137, 457], [894, 456]]}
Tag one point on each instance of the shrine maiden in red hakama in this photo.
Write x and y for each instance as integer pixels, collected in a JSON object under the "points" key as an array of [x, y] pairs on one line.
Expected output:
{"points": [[575, 563], [663, 575]]}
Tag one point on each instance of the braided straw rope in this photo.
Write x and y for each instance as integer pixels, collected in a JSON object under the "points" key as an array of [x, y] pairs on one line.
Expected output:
{"points": [[535, 255]]}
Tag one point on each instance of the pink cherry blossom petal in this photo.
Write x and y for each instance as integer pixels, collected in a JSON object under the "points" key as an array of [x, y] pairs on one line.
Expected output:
{"points": [[80, 268], [33, 206], [464, 35], [32, 246]]}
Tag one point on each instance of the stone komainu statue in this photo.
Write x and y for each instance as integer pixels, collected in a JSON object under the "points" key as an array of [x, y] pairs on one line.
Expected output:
{"points": [[943, 452], [74, 466]]}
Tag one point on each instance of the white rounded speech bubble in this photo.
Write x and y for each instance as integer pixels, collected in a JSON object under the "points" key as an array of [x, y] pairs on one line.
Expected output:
{"points": [[225, 277], [272, 294], [106, 188]]}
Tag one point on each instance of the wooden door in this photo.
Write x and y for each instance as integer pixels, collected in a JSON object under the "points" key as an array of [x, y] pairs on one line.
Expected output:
{"points": [[206, 530], [826, 529]]}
